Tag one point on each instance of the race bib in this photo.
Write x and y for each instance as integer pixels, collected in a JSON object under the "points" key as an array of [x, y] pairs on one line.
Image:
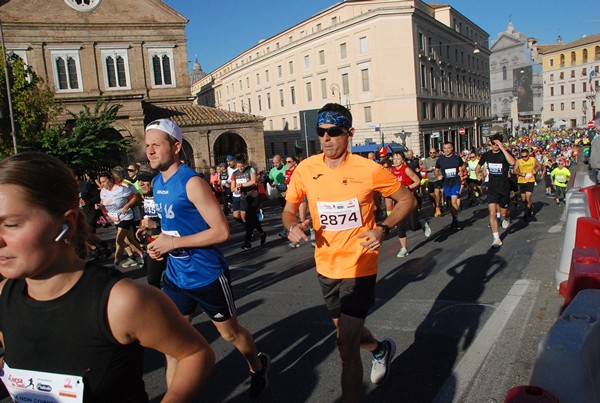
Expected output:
{"points": [[495, 168], [450, 172], [178, 253], [560, 179], [36, 386], [339, 216], [150, 208]]}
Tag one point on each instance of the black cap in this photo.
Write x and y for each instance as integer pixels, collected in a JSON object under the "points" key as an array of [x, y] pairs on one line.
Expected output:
{"points": [[145, 176]]}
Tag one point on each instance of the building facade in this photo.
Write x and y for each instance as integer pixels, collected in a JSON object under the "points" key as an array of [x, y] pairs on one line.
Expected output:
{"points": [[516, 82], [410, 72], [570, 80], [127, 52]]}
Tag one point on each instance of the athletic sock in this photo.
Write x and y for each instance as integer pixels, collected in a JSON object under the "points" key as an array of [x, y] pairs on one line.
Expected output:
{"points": [[496, 235], [378, 352]]}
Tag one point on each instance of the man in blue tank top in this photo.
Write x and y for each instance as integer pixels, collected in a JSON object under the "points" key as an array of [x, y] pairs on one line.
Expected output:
{"points": [[193, 224]]}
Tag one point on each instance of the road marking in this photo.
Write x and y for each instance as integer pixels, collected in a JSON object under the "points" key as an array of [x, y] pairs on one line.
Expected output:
{"points": [[459, 381], [555, 229]]}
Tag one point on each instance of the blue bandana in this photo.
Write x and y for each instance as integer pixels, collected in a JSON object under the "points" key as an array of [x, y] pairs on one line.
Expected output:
{"points": [[333, 118]]}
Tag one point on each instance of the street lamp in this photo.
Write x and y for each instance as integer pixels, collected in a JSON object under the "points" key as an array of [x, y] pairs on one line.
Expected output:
{"points": [[13, 131]]}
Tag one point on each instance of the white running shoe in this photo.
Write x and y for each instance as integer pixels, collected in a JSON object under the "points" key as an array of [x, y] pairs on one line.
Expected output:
{"points": [[426, 230], [128, 262], [497, 243], [505, 223], [403, 252], [381, 365]]}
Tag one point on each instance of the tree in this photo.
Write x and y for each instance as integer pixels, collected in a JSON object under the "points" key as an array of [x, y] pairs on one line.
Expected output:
{"points": [[89, 142], [34, 106], [550, 122]]}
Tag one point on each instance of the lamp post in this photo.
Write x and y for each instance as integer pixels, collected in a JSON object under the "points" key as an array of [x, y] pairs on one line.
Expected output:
{"points": [[13, 131]]}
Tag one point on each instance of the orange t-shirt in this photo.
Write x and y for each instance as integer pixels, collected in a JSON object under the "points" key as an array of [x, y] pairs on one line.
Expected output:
{"points": [[341, 206]]}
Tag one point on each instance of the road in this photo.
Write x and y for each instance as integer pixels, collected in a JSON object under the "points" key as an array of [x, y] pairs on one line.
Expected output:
{"points": [[466, 318]]}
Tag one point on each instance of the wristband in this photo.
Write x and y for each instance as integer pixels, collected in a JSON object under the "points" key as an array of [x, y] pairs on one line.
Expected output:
{"points": [[386, 229], [292, 227]]}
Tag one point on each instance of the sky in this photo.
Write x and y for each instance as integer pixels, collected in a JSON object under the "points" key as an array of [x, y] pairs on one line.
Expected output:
{"points": [[219, 30]]}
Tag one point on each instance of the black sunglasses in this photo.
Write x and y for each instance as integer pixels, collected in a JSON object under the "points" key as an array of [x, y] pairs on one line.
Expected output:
{"points": [[130, 170], [333, 131]]}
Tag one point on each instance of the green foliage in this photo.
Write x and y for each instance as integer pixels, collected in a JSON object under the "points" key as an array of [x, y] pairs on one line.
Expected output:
{"points": [[33, 106], [549, 122], [90, 142]]}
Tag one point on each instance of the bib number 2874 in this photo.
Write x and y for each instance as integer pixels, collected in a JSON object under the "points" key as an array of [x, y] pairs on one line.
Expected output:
{"points": [[339, 216]]}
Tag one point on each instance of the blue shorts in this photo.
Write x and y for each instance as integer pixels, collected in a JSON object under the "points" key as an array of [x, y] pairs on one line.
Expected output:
{"points": [[236, 203], [216, 298], [452, 191]]}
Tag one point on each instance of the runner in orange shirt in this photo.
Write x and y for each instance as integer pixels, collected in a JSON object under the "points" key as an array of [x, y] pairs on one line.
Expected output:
{"points": [[339, 187]]}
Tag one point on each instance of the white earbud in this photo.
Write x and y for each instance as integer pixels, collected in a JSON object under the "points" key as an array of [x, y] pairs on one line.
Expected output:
{"points": [[64, 230]]}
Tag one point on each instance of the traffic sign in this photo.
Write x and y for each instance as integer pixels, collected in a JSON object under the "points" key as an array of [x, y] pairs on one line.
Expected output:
{"points": [[591, 124], [461, 130]]}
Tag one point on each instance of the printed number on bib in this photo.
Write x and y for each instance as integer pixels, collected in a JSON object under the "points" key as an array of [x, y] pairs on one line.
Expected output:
{"points": [[339, 216], [450, 172], [495, 168]]}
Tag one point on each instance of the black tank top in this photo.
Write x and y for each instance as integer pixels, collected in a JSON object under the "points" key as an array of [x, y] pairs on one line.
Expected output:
{"points": [[69, 335]]}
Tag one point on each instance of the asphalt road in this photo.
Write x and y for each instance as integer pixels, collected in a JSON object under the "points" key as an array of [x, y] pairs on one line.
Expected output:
{"points": [[466, 318]]}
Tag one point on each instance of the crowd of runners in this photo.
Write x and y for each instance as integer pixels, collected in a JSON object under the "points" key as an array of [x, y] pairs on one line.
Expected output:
{"points": [[171, 220]]}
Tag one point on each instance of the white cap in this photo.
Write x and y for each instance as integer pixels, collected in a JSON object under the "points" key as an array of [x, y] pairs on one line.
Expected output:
{"points": [[167, 126]]}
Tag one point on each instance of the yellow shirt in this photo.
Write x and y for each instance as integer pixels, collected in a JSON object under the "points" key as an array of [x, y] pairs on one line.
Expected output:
{"points": [[341, 206], [526, 167]]}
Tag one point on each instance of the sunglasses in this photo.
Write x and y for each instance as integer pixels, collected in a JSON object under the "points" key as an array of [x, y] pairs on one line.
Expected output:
{"points": [[130, 170], [333, 131], [289, 161]]}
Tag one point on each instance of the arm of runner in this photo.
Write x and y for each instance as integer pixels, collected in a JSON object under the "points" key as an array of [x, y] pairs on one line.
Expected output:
{"points": [[291, 224], [252, 182], [507, 154], [199, 193], [516, 170], [414, 177], [132, 200], [405, 203], [140, 313]]}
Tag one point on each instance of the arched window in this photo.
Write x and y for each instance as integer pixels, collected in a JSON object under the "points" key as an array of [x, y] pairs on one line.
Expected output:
{"points": [[573, 58], [585, 56], [504, 73], [597, 53], [162, 67], [562, 60], [66, 69]]}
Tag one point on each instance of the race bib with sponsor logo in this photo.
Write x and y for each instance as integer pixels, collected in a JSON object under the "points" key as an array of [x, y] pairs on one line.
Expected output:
{"points": [[42, 387], [339, 216]]}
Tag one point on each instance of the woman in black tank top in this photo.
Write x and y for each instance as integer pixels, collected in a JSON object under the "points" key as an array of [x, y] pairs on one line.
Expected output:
{"points": [[86, 326]]}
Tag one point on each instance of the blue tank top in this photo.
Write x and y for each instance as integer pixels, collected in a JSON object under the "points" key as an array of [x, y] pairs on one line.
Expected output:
{"points": [[192, 267]]}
